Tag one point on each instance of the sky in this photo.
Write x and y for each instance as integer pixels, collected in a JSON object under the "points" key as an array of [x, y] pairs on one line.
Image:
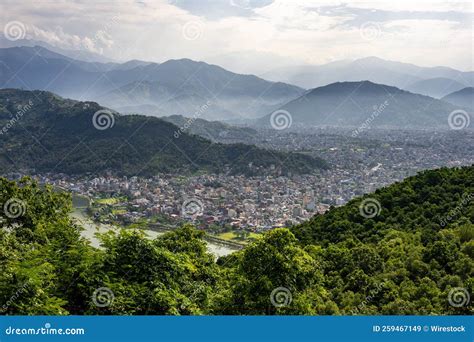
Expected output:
{"points": [[251, 36]]}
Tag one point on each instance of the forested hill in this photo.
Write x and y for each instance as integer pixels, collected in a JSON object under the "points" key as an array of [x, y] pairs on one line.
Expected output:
{"points": [[415, 239], [42, 132], [424, 204], [415, 257]]}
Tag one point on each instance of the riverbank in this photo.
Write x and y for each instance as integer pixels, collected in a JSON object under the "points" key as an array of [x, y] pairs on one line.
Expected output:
{"points": [[215, 246]]}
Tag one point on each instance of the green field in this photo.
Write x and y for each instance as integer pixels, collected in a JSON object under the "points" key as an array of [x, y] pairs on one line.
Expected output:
{"points": [[119, 211], [106, 201], [229, 236]]}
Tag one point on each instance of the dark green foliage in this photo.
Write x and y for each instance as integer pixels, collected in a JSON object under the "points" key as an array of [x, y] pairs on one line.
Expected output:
{"points": [[422, 238], [423, 203], [211, 130]]}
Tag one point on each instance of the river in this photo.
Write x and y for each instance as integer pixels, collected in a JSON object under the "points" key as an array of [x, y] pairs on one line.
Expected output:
{"points": [[91, 228]]}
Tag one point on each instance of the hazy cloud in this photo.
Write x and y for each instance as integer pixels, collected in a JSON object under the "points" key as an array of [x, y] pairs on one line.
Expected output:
{"points": [[218, 9]]}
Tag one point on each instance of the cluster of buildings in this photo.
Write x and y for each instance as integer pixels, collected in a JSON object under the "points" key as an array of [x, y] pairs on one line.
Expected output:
{"points": [[218, 201], [255, 203]]}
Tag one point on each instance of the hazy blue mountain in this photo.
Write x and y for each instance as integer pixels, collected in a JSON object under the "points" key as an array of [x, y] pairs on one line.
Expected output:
{"points": [[84, 55], [156, 99], [174, 87], [183, 86], [46, 133], [39, 68], [373, 69], [131, 64], [463, 98], [435, 87], [351, 104]]}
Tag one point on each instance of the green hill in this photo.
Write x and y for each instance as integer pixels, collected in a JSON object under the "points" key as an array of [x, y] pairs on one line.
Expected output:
{"points": [[43, 132], [419, 204], [212, 130], [353, 104]]}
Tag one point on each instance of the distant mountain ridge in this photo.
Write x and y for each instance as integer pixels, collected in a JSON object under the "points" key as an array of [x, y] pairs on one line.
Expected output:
{"points": [[84, 55], [43, 132], [173, 87], [365, 104], [435, 87], [463, 98], [374, 69]]}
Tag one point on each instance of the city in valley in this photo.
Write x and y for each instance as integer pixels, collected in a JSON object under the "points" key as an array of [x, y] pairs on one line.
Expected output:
{"points": [[235, 207]]}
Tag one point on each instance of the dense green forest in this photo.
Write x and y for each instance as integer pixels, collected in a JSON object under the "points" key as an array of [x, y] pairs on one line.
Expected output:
{"points": [[412, 255], [43, 132]]}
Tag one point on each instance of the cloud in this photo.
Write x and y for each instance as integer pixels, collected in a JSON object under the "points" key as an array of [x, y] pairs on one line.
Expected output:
{"points": [[278, 32], [360, 15], [58, 38], [215, 10], [415, 6]]}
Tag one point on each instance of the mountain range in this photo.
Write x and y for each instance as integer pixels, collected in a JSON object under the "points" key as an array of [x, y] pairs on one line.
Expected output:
{"points": [[174, 87], [377, 70], [197, 90], [365, 104], [42, 132], [82, 54]]}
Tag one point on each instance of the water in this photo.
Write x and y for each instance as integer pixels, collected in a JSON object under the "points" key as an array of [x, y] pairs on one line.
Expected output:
{"points": [[91, 228]]}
